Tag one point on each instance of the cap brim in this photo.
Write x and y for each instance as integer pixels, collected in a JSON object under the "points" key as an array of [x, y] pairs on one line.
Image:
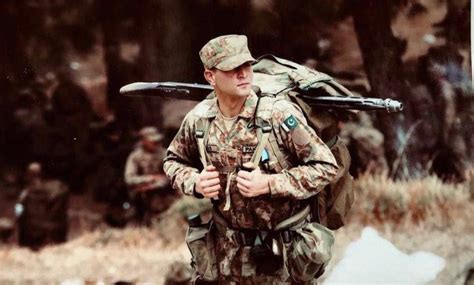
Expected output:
{"points": [[235, 61]]}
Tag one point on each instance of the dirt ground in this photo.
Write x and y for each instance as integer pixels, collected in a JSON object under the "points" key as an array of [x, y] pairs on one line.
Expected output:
{"points": [[146, 255]]}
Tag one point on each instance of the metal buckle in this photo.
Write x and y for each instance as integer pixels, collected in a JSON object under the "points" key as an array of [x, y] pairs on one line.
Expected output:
{"points": [[199, 134]]}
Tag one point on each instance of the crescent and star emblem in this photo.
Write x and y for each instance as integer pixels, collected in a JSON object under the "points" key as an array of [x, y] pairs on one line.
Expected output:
{"points": [[290, 123]]}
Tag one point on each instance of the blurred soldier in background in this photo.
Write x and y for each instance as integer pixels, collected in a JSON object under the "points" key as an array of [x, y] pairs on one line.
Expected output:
{"points": [[148, 185], [42, 210]]}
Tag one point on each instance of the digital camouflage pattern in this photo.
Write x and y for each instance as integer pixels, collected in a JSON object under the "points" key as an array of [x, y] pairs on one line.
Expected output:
{"points": [[311, 163], [311, 166], [225, 52]]}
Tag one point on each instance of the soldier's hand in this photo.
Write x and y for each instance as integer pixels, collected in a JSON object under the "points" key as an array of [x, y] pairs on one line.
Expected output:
{"points": [[208, 183], [254, 183], [160, 180]]}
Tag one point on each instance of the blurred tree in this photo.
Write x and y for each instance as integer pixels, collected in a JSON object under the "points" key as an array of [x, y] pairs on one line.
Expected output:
{"points": [[118, 23], [456, 24], [36, 37], [15, 72], [382, 53], [428, 129]]}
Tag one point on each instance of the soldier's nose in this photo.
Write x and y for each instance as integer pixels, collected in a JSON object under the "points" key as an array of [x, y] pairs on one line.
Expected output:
{"points": [[242, 71]]}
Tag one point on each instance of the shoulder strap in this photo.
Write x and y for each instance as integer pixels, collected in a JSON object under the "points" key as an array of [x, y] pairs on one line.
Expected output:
{"points": [[263, 132], [266, 136], [202, 131]]}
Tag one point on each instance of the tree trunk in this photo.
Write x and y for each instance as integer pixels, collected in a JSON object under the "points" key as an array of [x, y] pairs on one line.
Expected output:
{"points": [[15, 72], [119, 71], [381, 53], [457, 22]]}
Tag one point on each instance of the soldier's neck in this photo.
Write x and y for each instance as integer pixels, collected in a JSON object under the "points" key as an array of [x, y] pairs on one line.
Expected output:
{"points": [[230, 106]]}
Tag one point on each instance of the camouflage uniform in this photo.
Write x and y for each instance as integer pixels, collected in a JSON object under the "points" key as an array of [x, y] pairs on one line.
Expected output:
{"points": [[311, 167], [142, 166]]}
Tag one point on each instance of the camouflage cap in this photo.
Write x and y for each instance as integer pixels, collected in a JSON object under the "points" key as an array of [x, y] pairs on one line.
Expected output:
{"points": [[226, 52], [150, 134]]}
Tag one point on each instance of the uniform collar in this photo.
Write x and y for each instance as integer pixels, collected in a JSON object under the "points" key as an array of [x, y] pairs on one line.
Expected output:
{"points": [[248, 110]]}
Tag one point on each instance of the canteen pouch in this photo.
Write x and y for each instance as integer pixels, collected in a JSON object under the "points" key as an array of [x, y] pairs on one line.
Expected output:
{"points": [[309, 251], [200, 242]]}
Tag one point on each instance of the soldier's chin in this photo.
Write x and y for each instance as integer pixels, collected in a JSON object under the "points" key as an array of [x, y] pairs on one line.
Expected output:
{"points": [[243, 90]]}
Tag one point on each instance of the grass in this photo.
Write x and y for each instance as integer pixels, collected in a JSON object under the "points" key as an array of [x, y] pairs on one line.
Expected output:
{"points": [[380, 200]]}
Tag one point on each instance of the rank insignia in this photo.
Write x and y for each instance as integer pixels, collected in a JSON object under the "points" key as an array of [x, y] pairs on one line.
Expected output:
{"points": [[290, 123]]}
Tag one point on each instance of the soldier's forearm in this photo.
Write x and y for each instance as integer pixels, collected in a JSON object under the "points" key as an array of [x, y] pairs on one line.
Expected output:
{"points": [[181, 176], [134, 180], [302, 182]]}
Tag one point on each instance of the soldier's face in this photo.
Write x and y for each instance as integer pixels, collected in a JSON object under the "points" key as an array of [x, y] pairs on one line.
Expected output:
{"points": [[149, 145], [235, 82]]}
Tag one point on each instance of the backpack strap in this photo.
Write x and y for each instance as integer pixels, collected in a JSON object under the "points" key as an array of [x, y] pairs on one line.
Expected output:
{"points": [[266, 136], [280, 157], [263, 133], [202, 132]]}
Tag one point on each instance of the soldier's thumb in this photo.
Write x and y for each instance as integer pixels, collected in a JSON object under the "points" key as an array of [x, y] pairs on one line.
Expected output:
{"points": [[249, 164], [210, 168]]}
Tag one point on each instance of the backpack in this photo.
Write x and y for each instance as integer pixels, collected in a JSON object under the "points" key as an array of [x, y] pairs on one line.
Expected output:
{"points": [[283, 79], [280, 78]]}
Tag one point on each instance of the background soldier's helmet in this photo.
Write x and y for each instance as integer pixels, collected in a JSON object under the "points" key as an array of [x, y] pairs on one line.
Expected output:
{"points": [[150, 134], [226, 52]]}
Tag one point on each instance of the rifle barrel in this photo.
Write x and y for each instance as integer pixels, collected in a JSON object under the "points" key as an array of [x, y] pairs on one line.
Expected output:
{"points": [[198, 92]]}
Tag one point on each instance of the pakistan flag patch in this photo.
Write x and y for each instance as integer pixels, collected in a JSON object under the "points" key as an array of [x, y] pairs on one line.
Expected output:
{"points": [[290, 123]]}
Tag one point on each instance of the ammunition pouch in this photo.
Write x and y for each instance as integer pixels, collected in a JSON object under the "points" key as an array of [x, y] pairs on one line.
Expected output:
{"points": [[308, 252], [256, 247], [200, 242]]}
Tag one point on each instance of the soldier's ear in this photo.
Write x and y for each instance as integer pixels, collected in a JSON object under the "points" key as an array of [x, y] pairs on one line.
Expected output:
{"points": [[209, 75]]}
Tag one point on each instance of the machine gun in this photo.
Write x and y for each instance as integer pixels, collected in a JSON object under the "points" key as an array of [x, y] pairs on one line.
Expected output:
{"points": [[198, 92]]}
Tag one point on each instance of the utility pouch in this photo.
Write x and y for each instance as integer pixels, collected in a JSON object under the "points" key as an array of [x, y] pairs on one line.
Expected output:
{"points": [[309, 252], [200, 241]]}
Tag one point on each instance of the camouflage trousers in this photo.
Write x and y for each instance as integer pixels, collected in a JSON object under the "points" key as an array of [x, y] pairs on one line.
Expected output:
{"points": [[223, 259]]}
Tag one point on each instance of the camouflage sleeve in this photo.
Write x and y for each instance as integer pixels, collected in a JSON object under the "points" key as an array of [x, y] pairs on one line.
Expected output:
{"points": [[182, 158], [131, 175], [314, 166]]}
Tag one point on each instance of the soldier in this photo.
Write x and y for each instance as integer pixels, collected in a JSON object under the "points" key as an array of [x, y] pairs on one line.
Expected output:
{"points": [[261, 232], [42, 210], [144, 175]]}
